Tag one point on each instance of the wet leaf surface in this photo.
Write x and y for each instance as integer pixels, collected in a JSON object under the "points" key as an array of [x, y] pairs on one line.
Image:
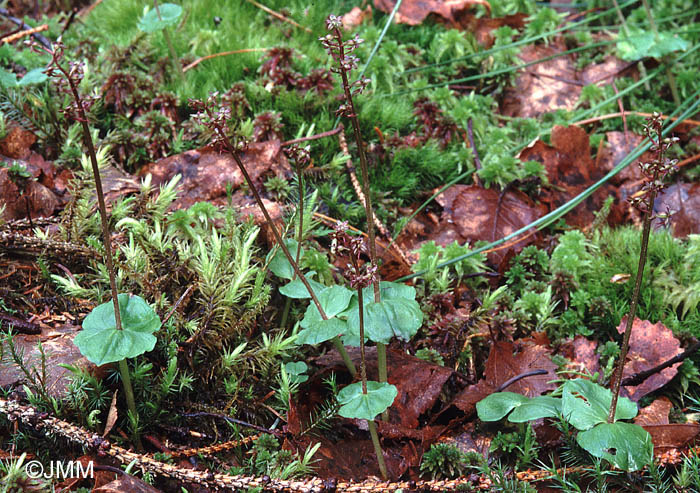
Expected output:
{"points": [[650, 345]]}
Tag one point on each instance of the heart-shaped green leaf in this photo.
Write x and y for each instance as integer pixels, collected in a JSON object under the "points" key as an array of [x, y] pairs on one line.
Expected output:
{"points": [[586, 404], [295, 367], [319, 331], [296, 289], [35, 76], [279, 265], [390, 317], [497, 405], [625, 445], [333, 299], [542, 406], [355, 404], [169, 15], [101, 342], [647, 44]]}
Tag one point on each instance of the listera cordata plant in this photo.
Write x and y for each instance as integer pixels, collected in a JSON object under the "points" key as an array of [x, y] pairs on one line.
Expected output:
{"points": [[593, 410], [654, 173], [123, 327]]}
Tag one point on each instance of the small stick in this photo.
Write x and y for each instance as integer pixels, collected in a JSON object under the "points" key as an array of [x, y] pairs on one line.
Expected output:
{"points": [[223, 53], [41, 39], [27, 32], [279, 16], [643, 375], [511, 381], [329, 133]]}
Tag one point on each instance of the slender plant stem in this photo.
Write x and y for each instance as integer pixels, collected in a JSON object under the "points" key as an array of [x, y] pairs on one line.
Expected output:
{"points": [[285, 311], [633, 305], [232, 150], [106, 239], [363, 375], [173, 55], [129, 393], [381, 348], [377, 448], [300, 211]]}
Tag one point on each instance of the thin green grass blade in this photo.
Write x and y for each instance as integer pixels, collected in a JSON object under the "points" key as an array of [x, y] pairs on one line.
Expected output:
{"points": [[514, 67]]}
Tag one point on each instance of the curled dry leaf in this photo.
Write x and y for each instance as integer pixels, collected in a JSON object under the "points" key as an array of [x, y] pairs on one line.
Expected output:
{"points": [[650, 345]]}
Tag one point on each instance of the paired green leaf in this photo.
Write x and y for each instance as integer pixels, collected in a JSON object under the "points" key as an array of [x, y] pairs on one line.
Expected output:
{"points": [[586, 404], [101, 342], [646, 44], [279, 264], [34, 76], [497, 406], [296, 289], [625, 445], [355, 404], [333, 300], [388, 318], [152, 22], [398, 314]]}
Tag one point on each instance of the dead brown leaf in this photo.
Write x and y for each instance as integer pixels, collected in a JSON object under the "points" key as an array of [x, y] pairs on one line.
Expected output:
{"points": [[59, 349], [17, 143], [650, 345], [356, 17], [682, 199], [126, 484], [554, 84], [112, 415], [655, 413], [471, 213], [206, 173], [581, 352], [570, 169], [504, 363], [413, 12], [418, 382], [671, 436]]}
